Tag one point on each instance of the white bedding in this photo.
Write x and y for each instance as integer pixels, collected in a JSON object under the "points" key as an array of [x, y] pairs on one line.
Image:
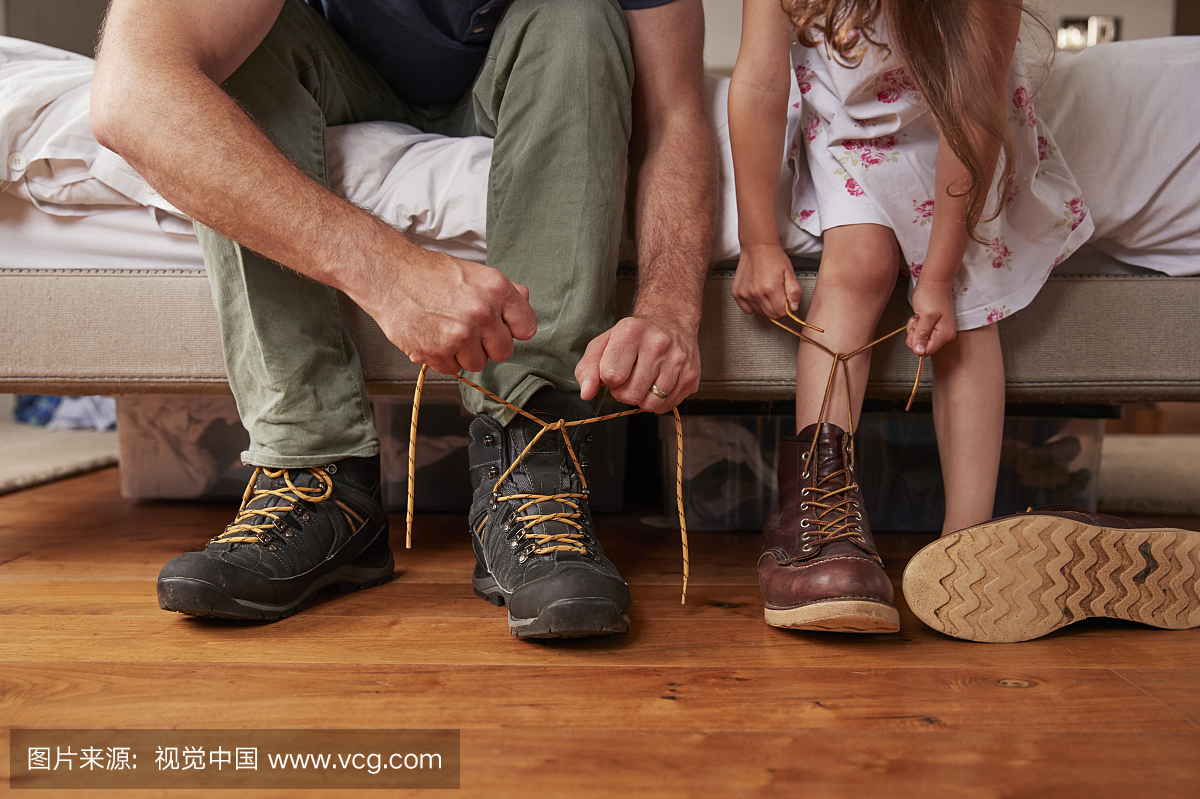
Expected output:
{"points": [[126, 238], [1145, 199], [432, 187]]}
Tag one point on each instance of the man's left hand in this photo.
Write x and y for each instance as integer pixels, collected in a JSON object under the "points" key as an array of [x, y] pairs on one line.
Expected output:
{"points": [[638, 354]]}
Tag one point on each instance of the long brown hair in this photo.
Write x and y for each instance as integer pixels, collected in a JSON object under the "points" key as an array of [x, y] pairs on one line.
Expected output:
{"points": [[948, 62]]}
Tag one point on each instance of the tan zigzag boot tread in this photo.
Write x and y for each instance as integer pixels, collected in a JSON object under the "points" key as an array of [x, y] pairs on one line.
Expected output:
{"points": [[1020, 578]]}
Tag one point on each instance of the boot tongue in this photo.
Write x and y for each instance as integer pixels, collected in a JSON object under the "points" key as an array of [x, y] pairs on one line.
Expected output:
{"points": [[551, 405], [548, 466], [828, 457]]}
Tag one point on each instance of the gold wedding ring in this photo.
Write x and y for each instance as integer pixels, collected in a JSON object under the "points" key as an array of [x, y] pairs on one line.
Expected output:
{"points": [[658, 392]]}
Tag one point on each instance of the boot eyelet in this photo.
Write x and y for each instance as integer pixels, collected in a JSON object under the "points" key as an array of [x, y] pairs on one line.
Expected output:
{"points": [[804, 475], [489, 441], [522, 558], [858, 516], [493, 472], [804, 525], [331, 468], [804, 456]]}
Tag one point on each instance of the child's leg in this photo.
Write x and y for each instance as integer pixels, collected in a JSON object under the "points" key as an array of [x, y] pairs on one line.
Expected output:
{"points": [[968, 415], [858, 273], [819, 569]]}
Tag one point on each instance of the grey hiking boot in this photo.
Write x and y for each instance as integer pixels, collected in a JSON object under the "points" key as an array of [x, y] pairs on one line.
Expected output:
{"points": [[298, 531], [531, 529]]}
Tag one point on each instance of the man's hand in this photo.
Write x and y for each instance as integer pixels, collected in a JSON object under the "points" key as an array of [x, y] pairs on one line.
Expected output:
{"points": [[766, 282], [932, 326], [640, 352], [449, 313]]}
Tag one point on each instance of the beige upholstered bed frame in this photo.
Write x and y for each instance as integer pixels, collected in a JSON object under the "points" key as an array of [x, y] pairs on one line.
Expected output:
{"points": [[1087, 338]]}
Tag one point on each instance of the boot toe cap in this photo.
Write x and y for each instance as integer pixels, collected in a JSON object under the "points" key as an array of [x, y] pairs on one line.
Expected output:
{"points": [[532, 598], [840, 577]]}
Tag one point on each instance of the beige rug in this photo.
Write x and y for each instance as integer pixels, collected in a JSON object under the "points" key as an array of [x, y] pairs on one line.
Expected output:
{"points": [[1150, 475], [32, 455]]}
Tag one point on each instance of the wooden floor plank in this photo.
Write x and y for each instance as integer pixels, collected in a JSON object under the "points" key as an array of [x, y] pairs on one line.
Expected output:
{"points": [[225, 695], [480, 641], [840, 764], [400, 598], [1178, 689]]}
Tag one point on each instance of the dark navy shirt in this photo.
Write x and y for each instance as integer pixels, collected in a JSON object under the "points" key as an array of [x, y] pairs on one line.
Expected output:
{"points": [[429, 51]]}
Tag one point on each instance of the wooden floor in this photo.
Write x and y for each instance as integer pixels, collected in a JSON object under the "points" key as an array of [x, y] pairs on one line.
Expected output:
{"points": [[696, 700]]}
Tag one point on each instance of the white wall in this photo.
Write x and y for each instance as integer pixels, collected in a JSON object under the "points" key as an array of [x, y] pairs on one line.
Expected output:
{"points": [[1140, 19]]}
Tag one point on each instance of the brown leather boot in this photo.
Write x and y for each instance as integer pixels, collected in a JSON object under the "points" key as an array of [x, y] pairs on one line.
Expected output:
{"points": [[819, 569], [1022, 576]]}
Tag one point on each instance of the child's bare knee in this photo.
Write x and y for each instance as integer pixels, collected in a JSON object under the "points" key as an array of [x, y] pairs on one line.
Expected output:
{"points": [[862, 259]]}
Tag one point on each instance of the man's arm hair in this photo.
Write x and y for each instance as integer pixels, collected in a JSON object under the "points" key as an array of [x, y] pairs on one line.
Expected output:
{"points": [[674, 158]]}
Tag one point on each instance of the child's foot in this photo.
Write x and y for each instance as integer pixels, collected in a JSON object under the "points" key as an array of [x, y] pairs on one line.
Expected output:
{"points": [[1022, 576], [819, 569]]}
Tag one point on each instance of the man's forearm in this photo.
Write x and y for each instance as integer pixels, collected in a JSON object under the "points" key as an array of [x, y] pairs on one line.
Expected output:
{"points": [[675, 211], [198, 149]]}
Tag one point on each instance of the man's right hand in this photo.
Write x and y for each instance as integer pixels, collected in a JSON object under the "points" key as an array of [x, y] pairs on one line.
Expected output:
{"points": [[449, 313]]}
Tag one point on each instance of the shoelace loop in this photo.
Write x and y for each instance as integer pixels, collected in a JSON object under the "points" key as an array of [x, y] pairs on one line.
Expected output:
{"points": [[546, 542], [239, 531], [837, 516]]}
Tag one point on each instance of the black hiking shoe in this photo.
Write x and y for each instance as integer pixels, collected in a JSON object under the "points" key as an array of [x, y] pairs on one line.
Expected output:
{"points": [[298, 531], [535, 549]]}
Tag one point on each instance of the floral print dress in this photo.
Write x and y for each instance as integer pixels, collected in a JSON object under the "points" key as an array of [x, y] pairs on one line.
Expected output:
{"points": [[872, 145]]}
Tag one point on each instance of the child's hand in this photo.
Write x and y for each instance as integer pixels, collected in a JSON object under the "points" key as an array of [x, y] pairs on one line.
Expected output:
{"points": [[932, 326], [766, 282]]}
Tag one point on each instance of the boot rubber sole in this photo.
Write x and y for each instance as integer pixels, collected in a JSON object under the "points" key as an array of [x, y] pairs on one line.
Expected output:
{"points": [[199, 598], [574, 617], [837, 616], [1018, 579]]}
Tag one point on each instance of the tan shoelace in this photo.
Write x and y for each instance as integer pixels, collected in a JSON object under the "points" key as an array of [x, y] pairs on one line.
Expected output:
{"points": [[240, 530], [568, 540], [836, 519]]}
